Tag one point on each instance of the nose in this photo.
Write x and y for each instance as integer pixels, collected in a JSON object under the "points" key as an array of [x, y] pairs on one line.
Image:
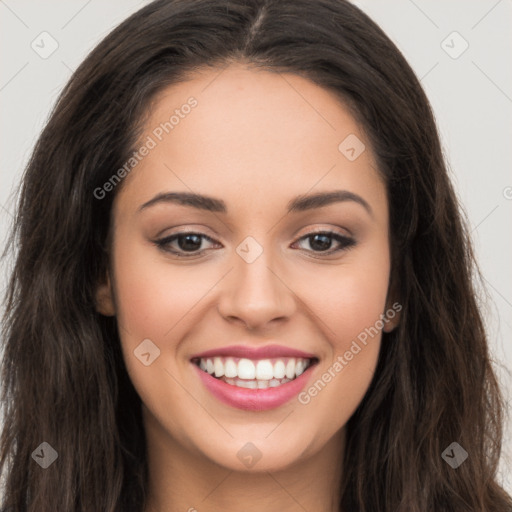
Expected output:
{"points": [[256, 294]]}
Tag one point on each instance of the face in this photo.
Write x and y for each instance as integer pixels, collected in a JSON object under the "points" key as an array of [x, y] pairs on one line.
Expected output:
{"points": [[255, 267]]}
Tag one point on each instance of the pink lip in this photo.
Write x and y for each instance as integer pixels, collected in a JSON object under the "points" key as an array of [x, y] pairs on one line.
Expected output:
{"points": [[267, 352], [254, 399]]}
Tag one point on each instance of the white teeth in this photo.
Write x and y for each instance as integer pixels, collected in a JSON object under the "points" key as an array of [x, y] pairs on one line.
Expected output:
{"points": [[279, 370], [255, 384], [264, 370], [300, 367], [247, 369], [219, 367], [290, 368], [230, 368], [249, 384]]}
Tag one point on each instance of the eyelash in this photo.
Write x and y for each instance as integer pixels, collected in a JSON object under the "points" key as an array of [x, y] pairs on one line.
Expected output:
{"points": [[163, 243]]}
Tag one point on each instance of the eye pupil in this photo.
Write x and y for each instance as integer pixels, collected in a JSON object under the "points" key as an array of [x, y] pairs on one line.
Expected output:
{"points": [[186, 246], [189, 244], [323, 245]]}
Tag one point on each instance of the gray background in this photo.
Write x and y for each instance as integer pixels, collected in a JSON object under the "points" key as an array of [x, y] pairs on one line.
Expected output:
{"points": [[471, 94]]}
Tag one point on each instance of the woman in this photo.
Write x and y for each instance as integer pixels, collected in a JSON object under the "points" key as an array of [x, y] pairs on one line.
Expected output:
{"points": [[243, 281]]}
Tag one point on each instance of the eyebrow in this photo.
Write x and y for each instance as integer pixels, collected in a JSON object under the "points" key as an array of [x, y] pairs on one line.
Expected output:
{"points": [[298, 204]]}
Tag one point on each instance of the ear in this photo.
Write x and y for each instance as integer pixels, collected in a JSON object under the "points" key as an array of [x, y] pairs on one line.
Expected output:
{"points": [[392, 316], [104, 298], [393, 307]]}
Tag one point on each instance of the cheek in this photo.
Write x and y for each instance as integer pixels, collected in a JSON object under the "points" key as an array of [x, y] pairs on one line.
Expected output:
{"points": [[349, 313], [153, 299], [152, 294], [358, 304], [349, 303], [349, 298]]}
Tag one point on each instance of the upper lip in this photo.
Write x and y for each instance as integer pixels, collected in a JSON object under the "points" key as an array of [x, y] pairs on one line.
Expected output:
{"points": [[244, 351]]}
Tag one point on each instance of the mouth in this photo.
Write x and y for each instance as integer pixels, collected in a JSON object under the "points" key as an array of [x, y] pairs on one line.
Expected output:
{"points": [[254, 373]]}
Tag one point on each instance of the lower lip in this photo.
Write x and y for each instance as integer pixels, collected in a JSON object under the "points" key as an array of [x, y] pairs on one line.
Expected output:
{"points": [[254, 399]]}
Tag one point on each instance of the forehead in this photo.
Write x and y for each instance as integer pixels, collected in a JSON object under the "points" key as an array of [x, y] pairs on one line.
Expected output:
{"points": [[251, 133]]}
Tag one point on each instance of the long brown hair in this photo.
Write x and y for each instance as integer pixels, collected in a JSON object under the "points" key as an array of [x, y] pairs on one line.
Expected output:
{"points": [[63, 377]]}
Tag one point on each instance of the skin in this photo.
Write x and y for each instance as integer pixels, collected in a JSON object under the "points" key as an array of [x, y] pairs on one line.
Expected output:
{"points": [[255, 140]]}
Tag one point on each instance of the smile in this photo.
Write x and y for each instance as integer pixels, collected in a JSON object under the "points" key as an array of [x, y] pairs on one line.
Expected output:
{"points": [[254, 374], [254, 379]]}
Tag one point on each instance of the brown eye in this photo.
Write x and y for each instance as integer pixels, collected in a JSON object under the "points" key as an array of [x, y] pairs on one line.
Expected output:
{"points": [[186, 243], [321, 242]]}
